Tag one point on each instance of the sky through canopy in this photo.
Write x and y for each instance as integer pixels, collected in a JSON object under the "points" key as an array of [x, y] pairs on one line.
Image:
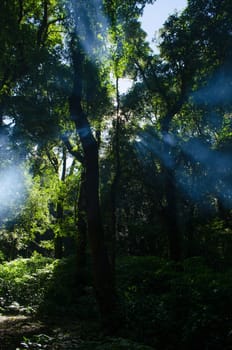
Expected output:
{"points": [[153, 19]]}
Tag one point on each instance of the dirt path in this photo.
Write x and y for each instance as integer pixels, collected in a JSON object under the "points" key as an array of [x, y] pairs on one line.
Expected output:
{"points": [[14, 328]]}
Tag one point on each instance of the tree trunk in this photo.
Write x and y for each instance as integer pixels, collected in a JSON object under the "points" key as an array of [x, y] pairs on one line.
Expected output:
{"points": [[103, 277], [174, 234], [102, 271], [172, 217], [116, 178], [58, 247], [58, 244], [81, 224]]}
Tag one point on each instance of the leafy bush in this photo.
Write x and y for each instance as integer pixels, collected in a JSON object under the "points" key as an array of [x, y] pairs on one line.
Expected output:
{"points": [[184, 306], [69, 292], [23, 283], [44, 285]]}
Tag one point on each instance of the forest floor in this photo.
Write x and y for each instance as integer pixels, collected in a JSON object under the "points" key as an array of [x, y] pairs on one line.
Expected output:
{"points": [[13, 329], [23, 332], [43, 306]]}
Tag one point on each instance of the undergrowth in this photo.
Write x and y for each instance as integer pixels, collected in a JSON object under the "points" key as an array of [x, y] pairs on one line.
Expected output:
{"points": [[166, 305], [23, 283]]}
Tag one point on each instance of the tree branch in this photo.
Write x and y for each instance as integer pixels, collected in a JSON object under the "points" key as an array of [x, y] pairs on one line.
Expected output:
{"points": [[73, 152]]}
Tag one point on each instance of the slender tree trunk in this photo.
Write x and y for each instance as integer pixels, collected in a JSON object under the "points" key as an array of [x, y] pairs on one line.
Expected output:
{"points": [[174, 234], [224, 213], [172, 217], [117, 173], [192, 244], [58, 244]]}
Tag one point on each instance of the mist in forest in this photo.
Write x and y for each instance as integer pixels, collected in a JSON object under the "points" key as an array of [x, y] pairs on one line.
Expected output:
{"points": [[198, 170], [218, 90], [13, 183], [91, 27], [200, 166], [13, 188]]}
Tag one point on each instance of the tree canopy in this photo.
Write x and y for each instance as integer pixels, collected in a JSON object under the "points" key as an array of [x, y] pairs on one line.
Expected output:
{"points": [[87, 170]]}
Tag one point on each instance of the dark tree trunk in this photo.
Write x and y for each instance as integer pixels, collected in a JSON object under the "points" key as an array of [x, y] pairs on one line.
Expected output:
{"points": [[174, 234], [224, 213], [81, 224], [58, 241], [116, 178], [172, 217], [102, 271], [58, 247]]}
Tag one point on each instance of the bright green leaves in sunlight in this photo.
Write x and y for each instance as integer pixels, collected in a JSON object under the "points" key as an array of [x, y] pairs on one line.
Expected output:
{"points": [[126, 36]]}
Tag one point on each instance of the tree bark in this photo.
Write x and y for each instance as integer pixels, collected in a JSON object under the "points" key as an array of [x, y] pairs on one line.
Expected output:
{"points": [[58, 240], [116, 178], [102, 271], [81, 224], [174, 236]]}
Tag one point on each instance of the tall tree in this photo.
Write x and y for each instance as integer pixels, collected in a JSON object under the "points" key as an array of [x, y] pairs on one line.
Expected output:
{"points": [[82, 38]]}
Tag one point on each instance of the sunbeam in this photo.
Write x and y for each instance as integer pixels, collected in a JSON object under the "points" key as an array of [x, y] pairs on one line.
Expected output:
{"points": [[210, 169]]}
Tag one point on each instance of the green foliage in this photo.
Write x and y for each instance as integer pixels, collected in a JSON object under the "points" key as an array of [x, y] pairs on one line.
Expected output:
{"points": [[165, 304], [71, 342], [47, 286], [23, 283], [177, 305], [69, 291], [36, 216], [174, 159], [215, 241]]}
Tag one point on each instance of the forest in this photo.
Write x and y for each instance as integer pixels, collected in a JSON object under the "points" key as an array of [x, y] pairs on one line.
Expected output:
{"points": [[115, 207]]}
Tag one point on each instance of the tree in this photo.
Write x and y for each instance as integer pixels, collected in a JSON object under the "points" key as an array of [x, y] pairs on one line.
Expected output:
{"points": [[172, 95], [103, 277]]}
